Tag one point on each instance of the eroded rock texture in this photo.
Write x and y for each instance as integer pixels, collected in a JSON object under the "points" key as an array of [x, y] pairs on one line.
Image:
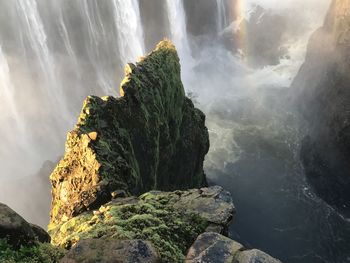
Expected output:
{"points": [[150, 138], [323, 87]]}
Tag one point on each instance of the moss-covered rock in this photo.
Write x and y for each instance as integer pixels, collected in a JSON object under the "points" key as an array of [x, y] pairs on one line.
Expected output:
{"points": [[170, 220], [150, 138]]}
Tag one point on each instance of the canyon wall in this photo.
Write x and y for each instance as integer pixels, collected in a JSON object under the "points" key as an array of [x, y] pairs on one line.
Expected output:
{"points": [[323, 98]]}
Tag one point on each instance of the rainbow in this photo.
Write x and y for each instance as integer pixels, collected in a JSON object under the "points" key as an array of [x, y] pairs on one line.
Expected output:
{"points": [[238, 14]]}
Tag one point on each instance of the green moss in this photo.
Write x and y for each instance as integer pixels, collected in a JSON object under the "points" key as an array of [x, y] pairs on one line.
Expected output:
{"points": [[172, 232], [39, 253]]}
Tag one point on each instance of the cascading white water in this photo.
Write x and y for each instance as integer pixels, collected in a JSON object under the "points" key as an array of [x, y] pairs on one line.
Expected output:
{"points": [[177, 22], [97, 35], [130, 33], [65, 36], [221, 15], [7, 91], [38, 40]]}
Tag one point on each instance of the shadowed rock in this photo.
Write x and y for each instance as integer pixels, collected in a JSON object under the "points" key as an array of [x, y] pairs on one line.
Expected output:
{"points": [[18, 231]]}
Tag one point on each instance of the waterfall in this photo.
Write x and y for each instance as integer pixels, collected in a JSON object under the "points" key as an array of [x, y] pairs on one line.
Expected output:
{"points": [[130, 33], [221, 15], [177, 21], [97, 38], [63, 31], [38, 41], [178, 31], [52, 55], [7, 89]]}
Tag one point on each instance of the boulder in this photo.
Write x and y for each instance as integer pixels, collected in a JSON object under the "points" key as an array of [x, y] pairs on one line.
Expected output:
{"points": [[214, 248], [170, 220], [151, 138], [112, 251], [14, 228], [18, 231], [255, 256], [41, 235]]}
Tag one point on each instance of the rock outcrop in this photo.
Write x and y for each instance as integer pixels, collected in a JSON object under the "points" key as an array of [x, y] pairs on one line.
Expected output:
{"points": [[323, 97], [150, 141], [170, 220], [150, 138], [214, 248]]}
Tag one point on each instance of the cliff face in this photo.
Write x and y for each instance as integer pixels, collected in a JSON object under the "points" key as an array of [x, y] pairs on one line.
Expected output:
{"points": [[323, 88], [150, 138]]}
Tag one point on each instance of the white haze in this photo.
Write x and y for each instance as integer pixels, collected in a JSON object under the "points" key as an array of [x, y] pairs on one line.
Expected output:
{"points": [[35, 118]]}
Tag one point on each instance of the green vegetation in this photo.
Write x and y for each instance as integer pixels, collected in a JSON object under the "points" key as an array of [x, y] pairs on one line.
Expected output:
{"points": [[38, 253], [149, 218]]}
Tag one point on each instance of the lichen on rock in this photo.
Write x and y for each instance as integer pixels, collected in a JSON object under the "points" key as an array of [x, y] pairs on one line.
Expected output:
{"points": [[151, 138]]}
